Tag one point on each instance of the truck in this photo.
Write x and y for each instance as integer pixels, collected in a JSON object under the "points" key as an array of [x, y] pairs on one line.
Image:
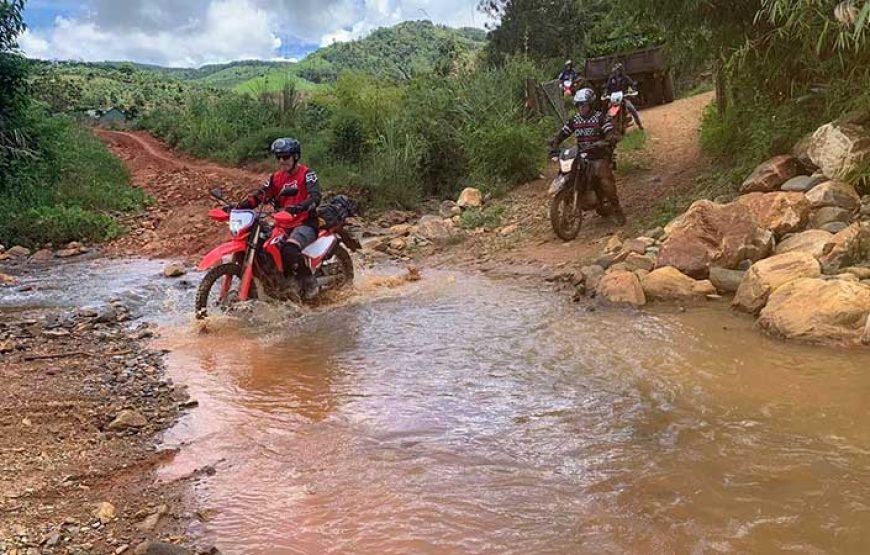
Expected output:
{"points": [[650, 67]]}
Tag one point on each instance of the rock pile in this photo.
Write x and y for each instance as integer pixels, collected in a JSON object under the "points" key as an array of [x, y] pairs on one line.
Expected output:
{"points": [[793, 247]]}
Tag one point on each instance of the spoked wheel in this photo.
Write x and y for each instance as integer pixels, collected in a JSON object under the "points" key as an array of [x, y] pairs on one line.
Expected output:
{"points": [[338, 269], [219, 290], [566, 215]]}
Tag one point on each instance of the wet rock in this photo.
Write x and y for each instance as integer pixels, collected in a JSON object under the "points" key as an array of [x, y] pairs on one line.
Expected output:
{"points": [[778, 212], [635, 261], [592, 275], [152, 520], [621, 287], [812, 241], [725, 280], [669, 284], [838, 149], [18, 252], [766, 276], [159, 548], [834, 193], [99, 313], [711, 234], [128, 419], [105, 512], [42, 255], [819, 311], [849, 247], [828, 214], [173, 270], [470, 198], [802, 183], [770, 175], [67, 253], [434, 228]]}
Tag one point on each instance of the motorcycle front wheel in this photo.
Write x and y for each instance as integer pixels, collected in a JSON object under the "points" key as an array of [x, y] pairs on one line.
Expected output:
{"points": [[219, 290], [566, 215]]}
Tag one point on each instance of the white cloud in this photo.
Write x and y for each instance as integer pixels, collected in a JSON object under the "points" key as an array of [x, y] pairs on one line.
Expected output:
{"points": [[198, 32]]}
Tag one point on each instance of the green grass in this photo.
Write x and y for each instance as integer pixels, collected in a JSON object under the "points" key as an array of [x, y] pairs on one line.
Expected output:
{"points": [[489, 217], [274, 81], [69, 192], [631, 152]]}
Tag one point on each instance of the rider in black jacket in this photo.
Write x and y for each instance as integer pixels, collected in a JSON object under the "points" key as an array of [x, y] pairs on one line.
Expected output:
{"points": [[619, 81]]}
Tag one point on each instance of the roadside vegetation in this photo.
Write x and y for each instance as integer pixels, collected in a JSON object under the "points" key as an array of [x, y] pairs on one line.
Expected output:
{"points": [[57, 182]]}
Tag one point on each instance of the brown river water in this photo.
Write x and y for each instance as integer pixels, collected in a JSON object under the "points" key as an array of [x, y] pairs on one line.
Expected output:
{"points": [[460, 415]]}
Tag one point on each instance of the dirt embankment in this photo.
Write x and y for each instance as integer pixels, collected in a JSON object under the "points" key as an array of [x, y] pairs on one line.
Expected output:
{"points": [[83, 401]]}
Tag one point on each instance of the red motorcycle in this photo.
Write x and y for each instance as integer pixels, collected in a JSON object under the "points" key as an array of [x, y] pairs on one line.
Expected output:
{"points": [[250, 263], [617, 110]]}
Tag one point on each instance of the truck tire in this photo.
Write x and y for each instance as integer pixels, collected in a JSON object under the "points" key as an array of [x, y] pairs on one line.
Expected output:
{"points": [[668, 87]]}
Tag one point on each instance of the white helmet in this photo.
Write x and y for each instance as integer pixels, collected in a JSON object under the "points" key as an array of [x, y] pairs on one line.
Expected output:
{"points": [[584, 96]]}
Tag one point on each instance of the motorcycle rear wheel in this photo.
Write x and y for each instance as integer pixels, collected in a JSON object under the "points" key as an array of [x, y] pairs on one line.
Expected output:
{"points": [[209, 293], [565, 217], [344, 267]]}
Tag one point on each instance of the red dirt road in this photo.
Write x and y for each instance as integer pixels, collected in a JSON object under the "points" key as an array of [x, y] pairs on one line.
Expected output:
{"points": [[177, 226]]}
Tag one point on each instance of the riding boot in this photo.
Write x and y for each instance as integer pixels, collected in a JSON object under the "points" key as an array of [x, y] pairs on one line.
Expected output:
{"points": [[619, 215]]}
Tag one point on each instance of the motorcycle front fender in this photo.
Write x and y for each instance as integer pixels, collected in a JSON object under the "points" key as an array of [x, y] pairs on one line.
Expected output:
{"points": [[559, 182], [217, 254]]}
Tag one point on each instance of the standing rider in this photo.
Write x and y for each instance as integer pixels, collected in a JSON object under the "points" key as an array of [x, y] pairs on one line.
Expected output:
{"points": [[292, 174], [597, 136], [619, 81]]}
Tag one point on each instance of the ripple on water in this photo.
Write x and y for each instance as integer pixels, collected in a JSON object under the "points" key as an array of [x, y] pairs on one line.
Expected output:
{"points": [[462, 415]]}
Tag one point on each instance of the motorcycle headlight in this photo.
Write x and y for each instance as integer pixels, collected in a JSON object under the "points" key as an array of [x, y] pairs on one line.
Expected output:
{"points": [[240, 220]]}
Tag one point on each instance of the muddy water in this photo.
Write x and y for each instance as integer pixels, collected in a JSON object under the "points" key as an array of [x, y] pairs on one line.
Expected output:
{"points": [[460, 415]]}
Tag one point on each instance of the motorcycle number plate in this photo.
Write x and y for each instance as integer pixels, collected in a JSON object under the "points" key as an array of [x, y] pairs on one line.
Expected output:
{"points": [[558, 183], [565, 165]]}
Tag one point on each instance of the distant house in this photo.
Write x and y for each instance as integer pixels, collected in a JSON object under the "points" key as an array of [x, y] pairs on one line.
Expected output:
{"points": [[113, 115], [109, 117]]}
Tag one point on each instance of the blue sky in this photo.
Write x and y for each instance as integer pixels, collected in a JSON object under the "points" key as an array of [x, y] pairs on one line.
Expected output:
{"points": [[191, 33]]}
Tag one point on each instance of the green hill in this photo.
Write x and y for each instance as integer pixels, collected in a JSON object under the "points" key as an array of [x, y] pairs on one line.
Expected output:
{"points": [[397, 53]]}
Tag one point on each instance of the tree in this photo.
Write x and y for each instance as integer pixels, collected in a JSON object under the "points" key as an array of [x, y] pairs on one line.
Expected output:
{"points": [[13, 73]]}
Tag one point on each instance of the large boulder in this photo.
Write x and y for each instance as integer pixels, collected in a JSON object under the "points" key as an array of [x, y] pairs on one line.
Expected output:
{"points": [[819, 311], [710, 234], [848, 247], [770, 175], [766, 276], [812, 241], [837, 149], [621, 287], [779, 212], [669, 284], [834, 193]]}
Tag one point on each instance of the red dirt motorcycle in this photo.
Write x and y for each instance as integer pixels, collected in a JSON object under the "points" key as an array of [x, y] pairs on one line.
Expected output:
{"points": [[250, 263], [617, 110]]}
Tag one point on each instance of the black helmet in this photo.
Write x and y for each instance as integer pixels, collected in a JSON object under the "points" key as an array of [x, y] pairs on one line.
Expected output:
{"points": [[286, 146], [617, 67]]}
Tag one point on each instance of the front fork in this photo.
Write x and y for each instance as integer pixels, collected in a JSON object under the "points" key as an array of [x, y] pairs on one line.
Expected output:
{"points": [[247, 273]]}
